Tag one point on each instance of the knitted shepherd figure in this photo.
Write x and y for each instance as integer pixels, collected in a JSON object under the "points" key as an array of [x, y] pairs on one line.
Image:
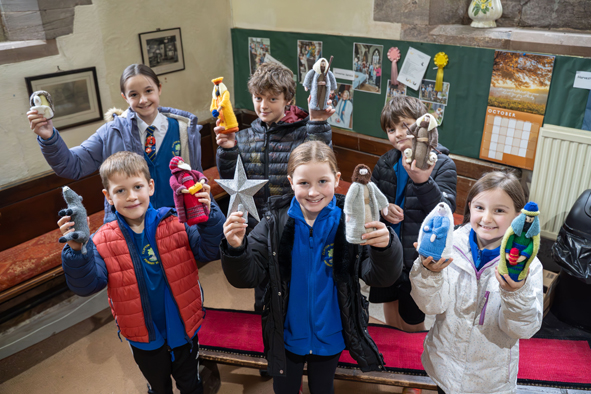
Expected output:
{"points": [[521, 243], [221, 107], [42, 103], [77, 213], [436, 234], [185, 182], [321, 83], [425, 138], [363, 204]]}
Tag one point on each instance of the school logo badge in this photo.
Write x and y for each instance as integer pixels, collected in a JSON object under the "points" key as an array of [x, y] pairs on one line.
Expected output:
{"points": [[327, 254], [151, 256], [176, 148]]}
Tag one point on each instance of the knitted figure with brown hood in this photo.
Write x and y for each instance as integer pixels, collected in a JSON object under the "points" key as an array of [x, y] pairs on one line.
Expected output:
{"points": [[221, 107], [185, 182], [425, 138], [363, 204]]}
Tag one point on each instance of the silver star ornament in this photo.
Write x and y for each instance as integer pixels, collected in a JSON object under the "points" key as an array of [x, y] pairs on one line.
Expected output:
{"points": [[242, 190]]}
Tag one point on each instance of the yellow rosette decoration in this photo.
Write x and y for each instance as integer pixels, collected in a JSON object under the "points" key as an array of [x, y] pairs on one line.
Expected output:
{"points": [[440, 61]]}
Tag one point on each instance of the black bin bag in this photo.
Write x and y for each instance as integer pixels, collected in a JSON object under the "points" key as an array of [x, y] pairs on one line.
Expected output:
{"points": [[572, 251]]}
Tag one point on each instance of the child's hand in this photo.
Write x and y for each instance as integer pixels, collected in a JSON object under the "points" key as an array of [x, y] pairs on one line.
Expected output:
{"points": [[235, 229], [226, 141], [509, 284], [203, 196], [67, 227], [319, 115], [380, 237], [416, 174], [41, 126], [434, 266], [395, 214]]}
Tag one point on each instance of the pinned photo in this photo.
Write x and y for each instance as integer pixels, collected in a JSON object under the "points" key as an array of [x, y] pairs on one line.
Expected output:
{"points": [[427, 92], [367, 64], [437, 110], [258, 49], [308, 53], [342, 102], [395, 90]]}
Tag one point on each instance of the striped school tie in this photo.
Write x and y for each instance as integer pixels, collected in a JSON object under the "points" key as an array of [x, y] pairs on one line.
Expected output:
{"points": [[151, 143]]}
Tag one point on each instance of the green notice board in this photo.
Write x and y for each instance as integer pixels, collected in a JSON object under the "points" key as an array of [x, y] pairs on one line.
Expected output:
{"points": [[468, 72]]}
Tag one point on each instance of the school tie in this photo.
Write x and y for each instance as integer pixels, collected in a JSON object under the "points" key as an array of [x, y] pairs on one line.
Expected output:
{"points": [[151, 143]]}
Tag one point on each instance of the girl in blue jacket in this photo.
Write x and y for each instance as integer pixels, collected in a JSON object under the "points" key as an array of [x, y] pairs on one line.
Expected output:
{"points": [[157, 133], [313, 305]]}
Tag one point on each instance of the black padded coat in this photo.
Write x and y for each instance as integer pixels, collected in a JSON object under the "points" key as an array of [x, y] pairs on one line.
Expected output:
{"points": [[420, 198], [266, 253]]}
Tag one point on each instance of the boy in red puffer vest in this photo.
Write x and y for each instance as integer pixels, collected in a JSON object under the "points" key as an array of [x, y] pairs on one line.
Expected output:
{"points": [[148, 259]]}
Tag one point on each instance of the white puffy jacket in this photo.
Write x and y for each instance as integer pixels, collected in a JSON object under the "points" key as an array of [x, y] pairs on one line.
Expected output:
{"points": [[473, 346]]}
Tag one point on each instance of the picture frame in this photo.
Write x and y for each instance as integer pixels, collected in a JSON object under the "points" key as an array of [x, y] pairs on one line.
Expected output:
{"points": [[162, 50], [75, 95]]}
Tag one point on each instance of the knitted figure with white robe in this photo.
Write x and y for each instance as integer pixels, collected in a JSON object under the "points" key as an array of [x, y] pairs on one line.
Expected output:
{"points": [[42, 103], [436, 234], [521, 243], [363, 204], [320, 81]]}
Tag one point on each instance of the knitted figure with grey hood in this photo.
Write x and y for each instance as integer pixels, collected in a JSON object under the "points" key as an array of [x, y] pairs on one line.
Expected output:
{"points": [[77, 213], [363, 204], [320, 81], [521, 243], [436, 234]]}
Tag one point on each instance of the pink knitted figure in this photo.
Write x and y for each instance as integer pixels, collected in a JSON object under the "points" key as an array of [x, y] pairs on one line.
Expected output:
{"points": [[185, 182]]}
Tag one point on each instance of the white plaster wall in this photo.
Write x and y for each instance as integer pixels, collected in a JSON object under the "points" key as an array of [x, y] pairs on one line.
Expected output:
{"points": [[340, 17], [106, 36]]}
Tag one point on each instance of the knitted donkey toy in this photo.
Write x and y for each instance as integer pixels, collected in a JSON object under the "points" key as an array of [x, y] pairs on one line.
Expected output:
{"points": [[436, 234], [363, 204], [521, 243], [425, 138], [77, 213], [42, 103], [185, 182], [321, 83], [221, 107]]}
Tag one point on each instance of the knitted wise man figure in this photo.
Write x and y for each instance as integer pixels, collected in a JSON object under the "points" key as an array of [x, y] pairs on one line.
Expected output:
{"points": [[221, 107], [185, 182], [363, 204], [521, 243], [436, 234]]}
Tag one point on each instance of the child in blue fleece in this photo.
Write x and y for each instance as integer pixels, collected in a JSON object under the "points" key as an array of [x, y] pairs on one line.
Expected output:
{"points": [[313, 306]]}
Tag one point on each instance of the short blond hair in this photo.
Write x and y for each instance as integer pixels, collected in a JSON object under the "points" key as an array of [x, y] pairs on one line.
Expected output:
{"points": [[273, 77], [312, 151], [124, 162]]}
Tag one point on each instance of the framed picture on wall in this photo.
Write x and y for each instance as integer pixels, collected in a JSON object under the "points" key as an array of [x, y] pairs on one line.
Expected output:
{"points": [[162, 50], [75, 96]]}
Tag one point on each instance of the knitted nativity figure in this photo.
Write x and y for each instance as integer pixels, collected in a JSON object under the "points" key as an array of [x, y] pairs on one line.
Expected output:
{"points": [[321, 83], [185, 182], [221, 107], [425, 138], [436, 233], [42, 103], [363, 204], [78, 215], [521, 243]]}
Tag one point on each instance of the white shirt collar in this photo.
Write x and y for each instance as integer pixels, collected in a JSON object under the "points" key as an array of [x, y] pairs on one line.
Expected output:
{"points": [[160, 122]]}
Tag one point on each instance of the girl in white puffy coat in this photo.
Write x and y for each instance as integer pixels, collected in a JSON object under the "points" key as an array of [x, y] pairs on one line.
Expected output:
{"points": [[473, 346]]}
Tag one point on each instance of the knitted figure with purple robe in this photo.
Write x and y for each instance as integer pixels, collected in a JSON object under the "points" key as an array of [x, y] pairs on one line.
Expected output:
{"points": [[185, 182]]}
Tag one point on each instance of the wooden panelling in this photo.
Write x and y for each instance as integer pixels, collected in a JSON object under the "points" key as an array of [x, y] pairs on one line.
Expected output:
{"points": [[473, 168], [348, 159], [345, 139], [463, 187]]}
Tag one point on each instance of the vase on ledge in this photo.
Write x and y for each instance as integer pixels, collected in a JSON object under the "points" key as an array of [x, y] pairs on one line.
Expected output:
{"points": [[484, 13]]}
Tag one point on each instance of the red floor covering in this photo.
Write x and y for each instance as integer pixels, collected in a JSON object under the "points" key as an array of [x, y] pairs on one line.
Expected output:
{"points": [[544, 361]]}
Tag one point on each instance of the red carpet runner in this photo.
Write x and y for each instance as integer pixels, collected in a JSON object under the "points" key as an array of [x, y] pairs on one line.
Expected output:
{"points": [[541, 361]]}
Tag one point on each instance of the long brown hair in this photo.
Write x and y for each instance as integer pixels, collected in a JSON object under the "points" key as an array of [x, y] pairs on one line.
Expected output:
{"points": [[506, 181], [311, 151]]}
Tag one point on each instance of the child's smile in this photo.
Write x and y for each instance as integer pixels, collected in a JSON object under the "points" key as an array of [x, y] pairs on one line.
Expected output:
{"points": [[491, 214]]}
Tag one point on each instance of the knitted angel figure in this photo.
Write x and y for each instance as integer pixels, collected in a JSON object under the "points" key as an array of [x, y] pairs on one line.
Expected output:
{"points": [[521, 243], [42, 103], [221, 107], [436, 234], [321, 83], [185, 182], [425, 138], [363, 204]]}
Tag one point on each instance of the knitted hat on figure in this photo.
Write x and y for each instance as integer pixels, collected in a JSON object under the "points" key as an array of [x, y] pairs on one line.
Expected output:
{"points": [[531, 209], [174, 163]]}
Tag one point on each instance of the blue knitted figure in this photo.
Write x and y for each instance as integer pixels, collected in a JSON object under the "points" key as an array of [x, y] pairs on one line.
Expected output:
{"points": [[435, 231]]}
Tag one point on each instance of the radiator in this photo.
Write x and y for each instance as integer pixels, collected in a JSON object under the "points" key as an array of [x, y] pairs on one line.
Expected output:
{"points": [[562, 171]]}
